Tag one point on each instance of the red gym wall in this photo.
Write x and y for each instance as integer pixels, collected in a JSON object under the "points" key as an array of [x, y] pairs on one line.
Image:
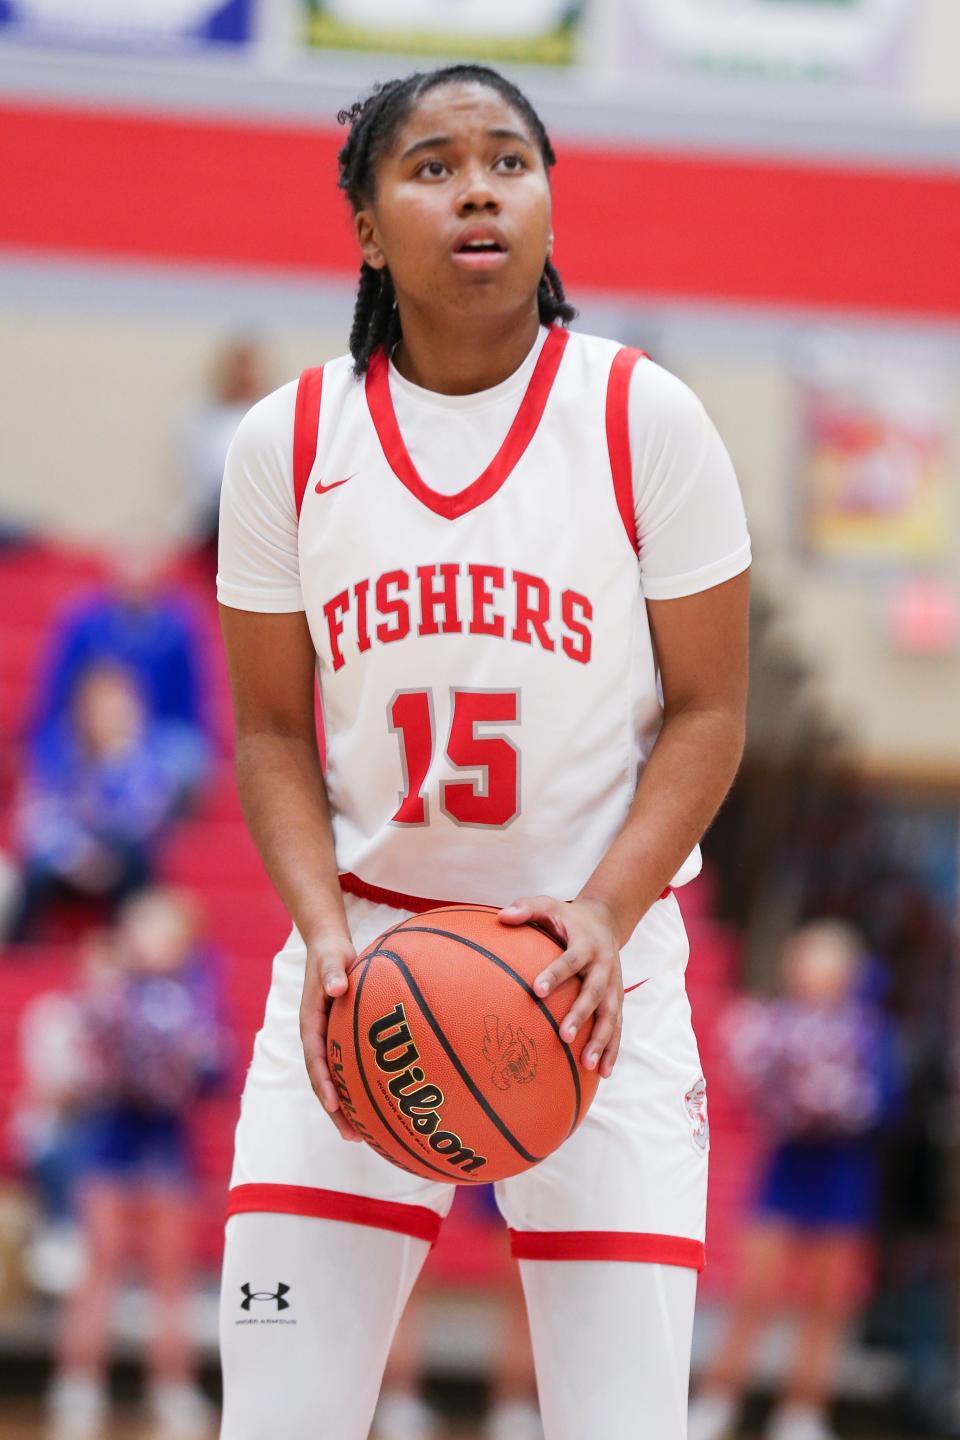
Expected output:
{"points": [[869, 237]]}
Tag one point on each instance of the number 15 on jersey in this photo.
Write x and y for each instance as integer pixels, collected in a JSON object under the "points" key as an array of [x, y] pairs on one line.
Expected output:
{"points": [[491, 799]]}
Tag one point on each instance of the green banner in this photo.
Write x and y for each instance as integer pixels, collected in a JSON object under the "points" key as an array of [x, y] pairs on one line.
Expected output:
{"points": [[545, 32]]}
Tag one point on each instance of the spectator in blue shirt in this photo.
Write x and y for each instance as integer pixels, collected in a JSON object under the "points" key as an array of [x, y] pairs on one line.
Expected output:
{"points": [[152, 634], [104, 782]]}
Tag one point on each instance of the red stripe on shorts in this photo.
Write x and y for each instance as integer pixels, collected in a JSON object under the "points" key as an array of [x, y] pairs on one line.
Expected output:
{"points": [[353, 885], [607, 1245], [414, 1220]]}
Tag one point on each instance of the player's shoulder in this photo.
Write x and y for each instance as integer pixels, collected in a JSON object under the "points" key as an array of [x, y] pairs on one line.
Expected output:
{"points": [[667, 388], [267, 424], [267, 427], [661, 404], [594, 353], [656, 393]]}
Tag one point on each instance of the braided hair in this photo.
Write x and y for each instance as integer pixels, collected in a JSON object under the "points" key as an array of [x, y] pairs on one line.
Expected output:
{"points": [[374, 123]]}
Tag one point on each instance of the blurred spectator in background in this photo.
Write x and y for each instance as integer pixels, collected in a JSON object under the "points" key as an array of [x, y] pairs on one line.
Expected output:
{"points": [[820, 1065], [153, 1041], [103, 784], [149, 629], [54, 1085], [239, 380], [14, 535]]}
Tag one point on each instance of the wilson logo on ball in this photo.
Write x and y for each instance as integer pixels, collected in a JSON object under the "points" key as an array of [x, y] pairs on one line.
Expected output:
{"points": [[513, 1057], [396, 1055]]}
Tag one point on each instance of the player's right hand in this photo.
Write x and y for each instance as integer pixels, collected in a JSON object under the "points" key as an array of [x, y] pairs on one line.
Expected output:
{"points": [[325, 977]]}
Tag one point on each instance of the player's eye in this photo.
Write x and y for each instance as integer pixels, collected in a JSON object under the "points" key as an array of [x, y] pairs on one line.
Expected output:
{"points": [[433, 169], [511, 163]]}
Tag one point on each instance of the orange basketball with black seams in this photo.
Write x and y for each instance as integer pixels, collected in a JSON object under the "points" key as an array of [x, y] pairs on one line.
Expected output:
{"points": [[447, 1062]]}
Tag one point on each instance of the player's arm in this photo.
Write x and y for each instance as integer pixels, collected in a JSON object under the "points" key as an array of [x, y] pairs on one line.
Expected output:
{"points": [[701, 645], [693, 552], [271, 662]]}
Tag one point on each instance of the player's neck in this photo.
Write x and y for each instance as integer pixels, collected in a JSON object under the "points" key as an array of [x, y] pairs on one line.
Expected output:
{"points": [[466, 357]]}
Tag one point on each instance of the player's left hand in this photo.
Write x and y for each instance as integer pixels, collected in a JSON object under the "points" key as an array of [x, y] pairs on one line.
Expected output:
{"points": [[586, 930]]}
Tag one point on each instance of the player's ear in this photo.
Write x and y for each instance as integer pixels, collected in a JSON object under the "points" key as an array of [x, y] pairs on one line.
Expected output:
{"points": [[368, 240]]}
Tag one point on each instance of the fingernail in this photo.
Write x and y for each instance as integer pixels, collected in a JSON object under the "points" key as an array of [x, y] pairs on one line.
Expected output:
{"points": [[592, 1059], [569, 1031], [543, 987]]}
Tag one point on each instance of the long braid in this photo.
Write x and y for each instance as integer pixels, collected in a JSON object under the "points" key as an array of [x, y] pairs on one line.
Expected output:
{"points": [[552, 298], [373, 124], [368, 295]]}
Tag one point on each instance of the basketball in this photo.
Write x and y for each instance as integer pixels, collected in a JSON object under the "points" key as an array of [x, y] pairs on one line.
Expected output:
{"points": [[446, 1061]]}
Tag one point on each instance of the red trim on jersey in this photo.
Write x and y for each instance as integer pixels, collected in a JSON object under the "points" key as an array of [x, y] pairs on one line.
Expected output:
{"points": [[521, 432], [306, 424], [607, 1245], [353, 885], [618, 438], [415, 1220]]}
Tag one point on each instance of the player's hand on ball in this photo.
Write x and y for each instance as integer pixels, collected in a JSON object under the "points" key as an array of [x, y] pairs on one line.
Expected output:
{"points": [[586, 929], [324, 979]]}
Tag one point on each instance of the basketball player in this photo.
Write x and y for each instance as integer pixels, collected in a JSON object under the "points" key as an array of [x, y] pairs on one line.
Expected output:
{"points": [[518, 557]]}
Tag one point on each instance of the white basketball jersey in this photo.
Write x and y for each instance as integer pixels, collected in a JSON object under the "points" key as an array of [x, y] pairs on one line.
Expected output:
{"points": [[488, 682]]}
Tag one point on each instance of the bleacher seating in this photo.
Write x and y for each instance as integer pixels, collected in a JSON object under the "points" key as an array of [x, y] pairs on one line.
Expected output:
{"points": [[210, 852]]}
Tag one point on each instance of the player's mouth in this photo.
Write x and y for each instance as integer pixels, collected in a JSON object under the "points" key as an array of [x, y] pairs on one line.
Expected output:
{"points": [[480, 247]]}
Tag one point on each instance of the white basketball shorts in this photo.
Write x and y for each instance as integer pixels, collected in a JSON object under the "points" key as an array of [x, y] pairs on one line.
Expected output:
{"points": [[629, 1184]]}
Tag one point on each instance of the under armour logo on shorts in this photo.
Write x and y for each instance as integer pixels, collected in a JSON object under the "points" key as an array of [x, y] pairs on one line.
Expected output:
{"points": [[251, 1295]]}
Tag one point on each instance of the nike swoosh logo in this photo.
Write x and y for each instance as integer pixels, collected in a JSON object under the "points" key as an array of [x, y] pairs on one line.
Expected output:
{"points": [[322, 489], [635, 987]]}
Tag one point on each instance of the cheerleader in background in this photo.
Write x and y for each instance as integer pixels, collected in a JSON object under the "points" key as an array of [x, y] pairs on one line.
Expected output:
{"points": [[820, 1067], [153, 1041]]}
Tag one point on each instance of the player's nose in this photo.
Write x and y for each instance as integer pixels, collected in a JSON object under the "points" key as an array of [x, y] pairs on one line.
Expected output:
{"points": [[477, 193]]}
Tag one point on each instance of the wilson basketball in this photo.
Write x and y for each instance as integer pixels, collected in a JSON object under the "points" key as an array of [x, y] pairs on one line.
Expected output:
{"points": [[446, 1060]]}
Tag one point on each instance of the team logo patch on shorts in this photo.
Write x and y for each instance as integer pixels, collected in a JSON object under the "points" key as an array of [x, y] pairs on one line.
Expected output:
{"points": [[695, 1104], [513, 1057]]}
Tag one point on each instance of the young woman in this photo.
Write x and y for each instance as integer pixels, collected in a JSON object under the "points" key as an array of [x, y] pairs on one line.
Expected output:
{"points": [[518, 557]]}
